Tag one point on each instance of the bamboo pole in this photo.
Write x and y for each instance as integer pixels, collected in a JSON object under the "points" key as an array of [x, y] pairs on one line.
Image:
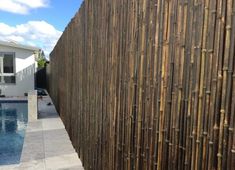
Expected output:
{"points": [[231, 77], [148, 84]]}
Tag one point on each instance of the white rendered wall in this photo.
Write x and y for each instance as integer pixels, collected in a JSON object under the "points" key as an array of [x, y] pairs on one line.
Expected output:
{"points": [[25, 71]]}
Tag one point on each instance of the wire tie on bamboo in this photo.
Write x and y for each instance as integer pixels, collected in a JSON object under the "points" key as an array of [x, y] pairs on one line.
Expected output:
{"points": [[233, 151], [219, 155], [196, 4], [225, 68], [211, 142], [226, 124], [230, 129], [220, 76], [182, 148], [180, 87], [204, 50], [222, 111], [228, 27], [200, 96], [214, 80], [164, 130], [135, 105], [208, 92], [222, 20], [185, 3], [166, 42], [132, 155], [188, 116], [127, 155], [230, 72], [183, 46], [219, 16], [197, 47], [215, 127], [213, 11], [210, 51], [205, 133]]}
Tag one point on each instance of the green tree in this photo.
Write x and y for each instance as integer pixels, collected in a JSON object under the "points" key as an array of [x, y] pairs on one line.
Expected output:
{"points": [[41, 59]]}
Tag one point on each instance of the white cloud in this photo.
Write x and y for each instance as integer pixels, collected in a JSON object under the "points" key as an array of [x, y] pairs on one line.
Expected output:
{"points": [[33, 3], [40, 33], [22, 6], [6, 29]]}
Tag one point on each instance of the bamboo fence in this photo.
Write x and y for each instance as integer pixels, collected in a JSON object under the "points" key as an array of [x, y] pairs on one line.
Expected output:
{"points": [[148, 84]]}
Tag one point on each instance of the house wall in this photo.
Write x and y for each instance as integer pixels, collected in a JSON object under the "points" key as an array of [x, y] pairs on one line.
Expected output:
{"points": [[25, 69]]}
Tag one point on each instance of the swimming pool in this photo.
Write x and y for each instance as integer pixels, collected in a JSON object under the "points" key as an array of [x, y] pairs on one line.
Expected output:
{"points": [[13, 121]]}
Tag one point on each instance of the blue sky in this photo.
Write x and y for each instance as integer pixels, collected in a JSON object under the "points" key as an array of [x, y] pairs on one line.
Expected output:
{"points": [[36, 22]]}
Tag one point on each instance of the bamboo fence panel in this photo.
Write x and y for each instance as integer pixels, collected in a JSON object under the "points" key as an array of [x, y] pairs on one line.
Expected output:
{"points": [[148, 84]]}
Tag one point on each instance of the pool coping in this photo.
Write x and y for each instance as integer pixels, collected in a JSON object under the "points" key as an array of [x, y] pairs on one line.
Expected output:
{"points": [[13, 99]]}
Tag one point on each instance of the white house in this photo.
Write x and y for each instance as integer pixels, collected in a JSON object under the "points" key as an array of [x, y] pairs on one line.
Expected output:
{"points": [[17, 68]]}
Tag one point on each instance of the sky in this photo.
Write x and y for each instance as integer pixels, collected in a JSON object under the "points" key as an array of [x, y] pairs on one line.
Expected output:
{"points": [[37, 23]]}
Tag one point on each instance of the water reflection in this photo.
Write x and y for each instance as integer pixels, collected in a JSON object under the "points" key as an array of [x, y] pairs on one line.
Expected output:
{"points": [[9, 121], [13, 119]]}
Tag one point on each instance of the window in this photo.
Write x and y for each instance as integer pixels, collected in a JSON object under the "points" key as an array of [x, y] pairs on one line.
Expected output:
{"points": [[7, 68]]}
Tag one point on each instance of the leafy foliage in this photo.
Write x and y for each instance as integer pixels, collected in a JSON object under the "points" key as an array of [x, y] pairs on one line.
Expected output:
{"points": [[41, 59]]}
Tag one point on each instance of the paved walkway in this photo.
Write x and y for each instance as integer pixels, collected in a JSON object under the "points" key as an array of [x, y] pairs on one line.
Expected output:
{"points": [[47, 145]]}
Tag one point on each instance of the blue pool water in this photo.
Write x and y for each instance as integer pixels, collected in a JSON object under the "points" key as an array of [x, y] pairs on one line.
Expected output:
{"points": [[13, 121]]}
